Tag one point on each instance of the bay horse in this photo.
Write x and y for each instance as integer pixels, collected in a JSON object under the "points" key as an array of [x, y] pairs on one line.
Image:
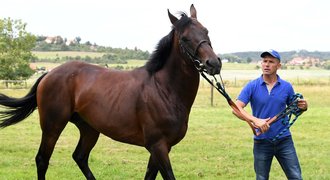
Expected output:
{"points": [[148, 106]]}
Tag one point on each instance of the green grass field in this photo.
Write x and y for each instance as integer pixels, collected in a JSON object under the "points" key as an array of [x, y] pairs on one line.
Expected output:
{"points": [[60, 54], [217, 145]]}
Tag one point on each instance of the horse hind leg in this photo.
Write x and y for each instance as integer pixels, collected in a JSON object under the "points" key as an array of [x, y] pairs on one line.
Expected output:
{"points": [[51, 130], [88, 139]]}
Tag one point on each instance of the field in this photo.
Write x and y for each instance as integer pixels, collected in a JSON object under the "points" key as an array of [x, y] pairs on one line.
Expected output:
{"points": [[236, 74], [217, 145], [60, 54], [233, 74]]}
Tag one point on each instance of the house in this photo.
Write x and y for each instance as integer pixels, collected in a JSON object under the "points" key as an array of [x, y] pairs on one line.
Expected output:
{"points": [[300, 61], [54, 40], [71, 42]]}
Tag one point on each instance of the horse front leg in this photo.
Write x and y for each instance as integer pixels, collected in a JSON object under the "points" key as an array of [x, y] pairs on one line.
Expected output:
{"points": [[152, 169], [159, 160]]}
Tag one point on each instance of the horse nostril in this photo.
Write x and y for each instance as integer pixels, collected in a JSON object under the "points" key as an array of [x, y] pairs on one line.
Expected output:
{"points": [[213, 63], [208, 63], [214, 66]]}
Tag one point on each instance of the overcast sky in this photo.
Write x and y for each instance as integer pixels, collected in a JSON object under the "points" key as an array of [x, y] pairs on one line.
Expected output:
{"points": [[234, 25]]}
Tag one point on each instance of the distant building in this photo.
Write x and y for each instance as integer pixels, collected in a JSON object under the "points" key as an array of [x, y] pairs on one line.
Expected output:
{"points": [[54, 40], [71, 42], [300, 61], [224, 60]]}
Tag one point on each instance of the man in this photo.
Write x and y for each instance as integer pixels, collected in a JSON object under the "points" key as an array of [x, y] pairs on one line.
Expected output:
{"points": [[269, 95]]}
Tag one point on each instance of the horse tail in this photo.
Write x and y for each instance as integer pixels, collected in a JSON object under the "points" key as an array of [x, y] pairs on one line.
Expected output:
{"points": [[17, 109]]}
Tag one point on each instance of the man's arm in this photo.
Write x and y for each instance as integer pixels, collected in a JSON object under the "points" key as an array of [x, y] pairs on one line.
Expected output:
{"points": [[243, 115]]}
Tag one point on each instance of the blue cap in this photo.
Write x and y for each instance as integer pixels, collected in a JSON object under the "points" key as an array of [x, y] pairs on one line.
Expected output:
{"points": [[271, 52]]}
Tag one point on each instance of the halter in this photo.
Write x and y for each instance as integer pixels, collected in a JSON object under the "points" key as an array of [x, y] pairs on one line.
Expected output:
{"points": [[193, 55]]}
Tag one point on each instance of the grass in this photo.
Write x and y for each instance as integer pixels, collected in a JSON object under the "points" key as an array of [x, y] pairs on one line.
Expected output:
{"points": [[217, 145], [60, 54], [133, 63], [239, 66]]}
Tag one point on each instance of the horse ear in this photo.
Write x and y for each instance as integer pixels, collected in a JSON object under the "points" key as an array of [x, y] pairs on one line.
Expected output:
{"points": [[193, 12], [172, 18]]}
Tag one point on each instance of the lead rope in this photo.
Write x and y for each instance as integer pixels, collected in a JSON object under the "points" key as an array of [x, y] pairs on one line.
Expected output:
{"points": [[291, 109], [220, 87]]}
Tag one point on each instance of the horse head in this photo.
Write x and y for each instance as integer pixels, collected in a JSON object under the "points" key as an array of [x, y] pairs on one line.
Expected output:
{"points": [[195, 43]]}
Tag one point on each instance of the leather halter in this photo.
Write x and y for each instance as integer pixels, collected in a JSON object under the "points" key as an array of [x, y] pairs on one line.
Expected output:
{"points": [[193, 53]]}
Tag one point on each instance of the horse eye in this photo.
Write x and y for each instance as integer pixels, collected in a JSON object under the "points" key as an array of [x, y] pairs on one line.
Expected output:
{"points": [[184, 39]]}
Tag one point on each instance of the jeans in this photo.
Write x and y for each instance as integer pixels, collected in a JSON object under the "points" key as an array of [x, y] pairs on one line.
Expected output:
{"points": [[284, 151]]}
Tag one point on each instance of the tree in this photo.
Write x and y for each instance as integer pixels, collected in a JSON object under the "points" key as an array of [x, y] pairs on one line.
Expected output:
{"points": [[249, 60], [78, 39], [15, 50]]}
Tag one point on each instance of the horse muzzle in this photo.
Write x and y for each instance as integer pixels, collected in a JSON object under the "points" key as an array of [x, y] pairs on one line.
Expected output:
{"points": [[213, 66]]}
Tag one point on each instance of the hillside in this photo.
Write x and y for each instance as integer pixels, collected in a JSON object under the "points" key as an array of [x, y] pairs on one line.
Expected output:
{"points": [[286, 56], [110, 55]]}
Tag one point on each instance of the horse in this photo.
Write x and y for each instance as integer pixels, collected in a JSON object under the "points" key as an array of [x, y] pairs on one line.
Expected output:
{"points": [[148, 106]]}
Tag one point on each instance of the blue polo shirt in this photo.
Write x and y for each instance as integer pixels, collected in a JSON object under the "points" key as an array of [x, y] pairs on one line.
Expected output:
{"points": [[266, 104]]}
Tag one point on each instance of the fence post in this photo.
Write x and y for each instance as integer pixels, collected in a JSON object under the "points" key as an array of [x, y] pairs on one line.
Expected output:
{"points": [[298, 80], [235, 82], [212, 94]]}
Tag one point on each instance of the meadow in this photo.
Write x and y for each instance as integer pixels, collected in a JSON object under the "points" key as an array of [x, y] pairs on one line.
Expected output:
{"points": [[60, 54], [217, 145]]}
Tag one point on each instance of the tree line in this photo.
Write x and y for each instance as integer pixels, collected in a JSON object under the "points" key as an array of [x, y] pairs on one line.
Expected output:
{"points": [[254, 56], [247, 57], [16, 46], [111, 56]]}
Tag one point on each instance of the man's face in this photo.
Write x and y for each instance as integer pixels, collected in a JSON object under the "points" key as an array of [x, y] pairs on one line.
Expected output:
{"points": [[269, 65]]}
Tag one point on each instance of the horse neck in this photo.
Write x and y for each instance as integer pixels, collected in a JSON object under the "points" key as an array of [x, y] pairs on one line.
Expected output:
{"points": [[180, 76]]}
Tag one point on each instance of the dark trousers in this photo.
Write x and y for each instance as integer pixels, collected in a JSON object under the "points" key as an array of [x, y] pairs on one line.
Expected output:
{"points": [[285, 153]]}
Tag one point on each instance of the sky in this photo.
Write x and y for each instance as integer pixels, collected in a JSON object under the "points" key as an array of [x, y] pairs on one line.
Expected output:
{"points": [[234, 25]]}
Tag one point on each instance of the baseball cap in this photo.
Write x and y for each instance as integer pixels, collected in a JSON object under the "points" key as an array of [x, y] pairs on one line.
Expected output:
{"points": [[271, 52]]}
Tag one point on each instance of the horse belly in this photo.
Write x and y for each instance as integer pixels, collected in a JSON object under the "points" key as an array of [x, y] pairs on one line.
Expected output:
{"points": [[117, 125]]}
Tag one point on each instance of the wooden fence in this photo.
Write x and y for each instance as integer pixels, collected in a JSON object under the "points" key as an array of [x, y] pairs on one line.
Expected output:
{"points": [[13, 84]]}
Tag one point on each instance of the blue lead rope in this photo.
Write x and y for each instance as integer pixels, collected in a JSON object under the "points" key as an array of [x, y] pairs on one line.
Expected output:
{"points": [[292, 109]]}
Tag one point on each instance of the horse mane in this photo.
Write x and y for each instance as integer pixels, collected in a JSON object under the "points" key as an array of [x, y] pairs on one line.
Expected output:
{"points": [[163, 49]]}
